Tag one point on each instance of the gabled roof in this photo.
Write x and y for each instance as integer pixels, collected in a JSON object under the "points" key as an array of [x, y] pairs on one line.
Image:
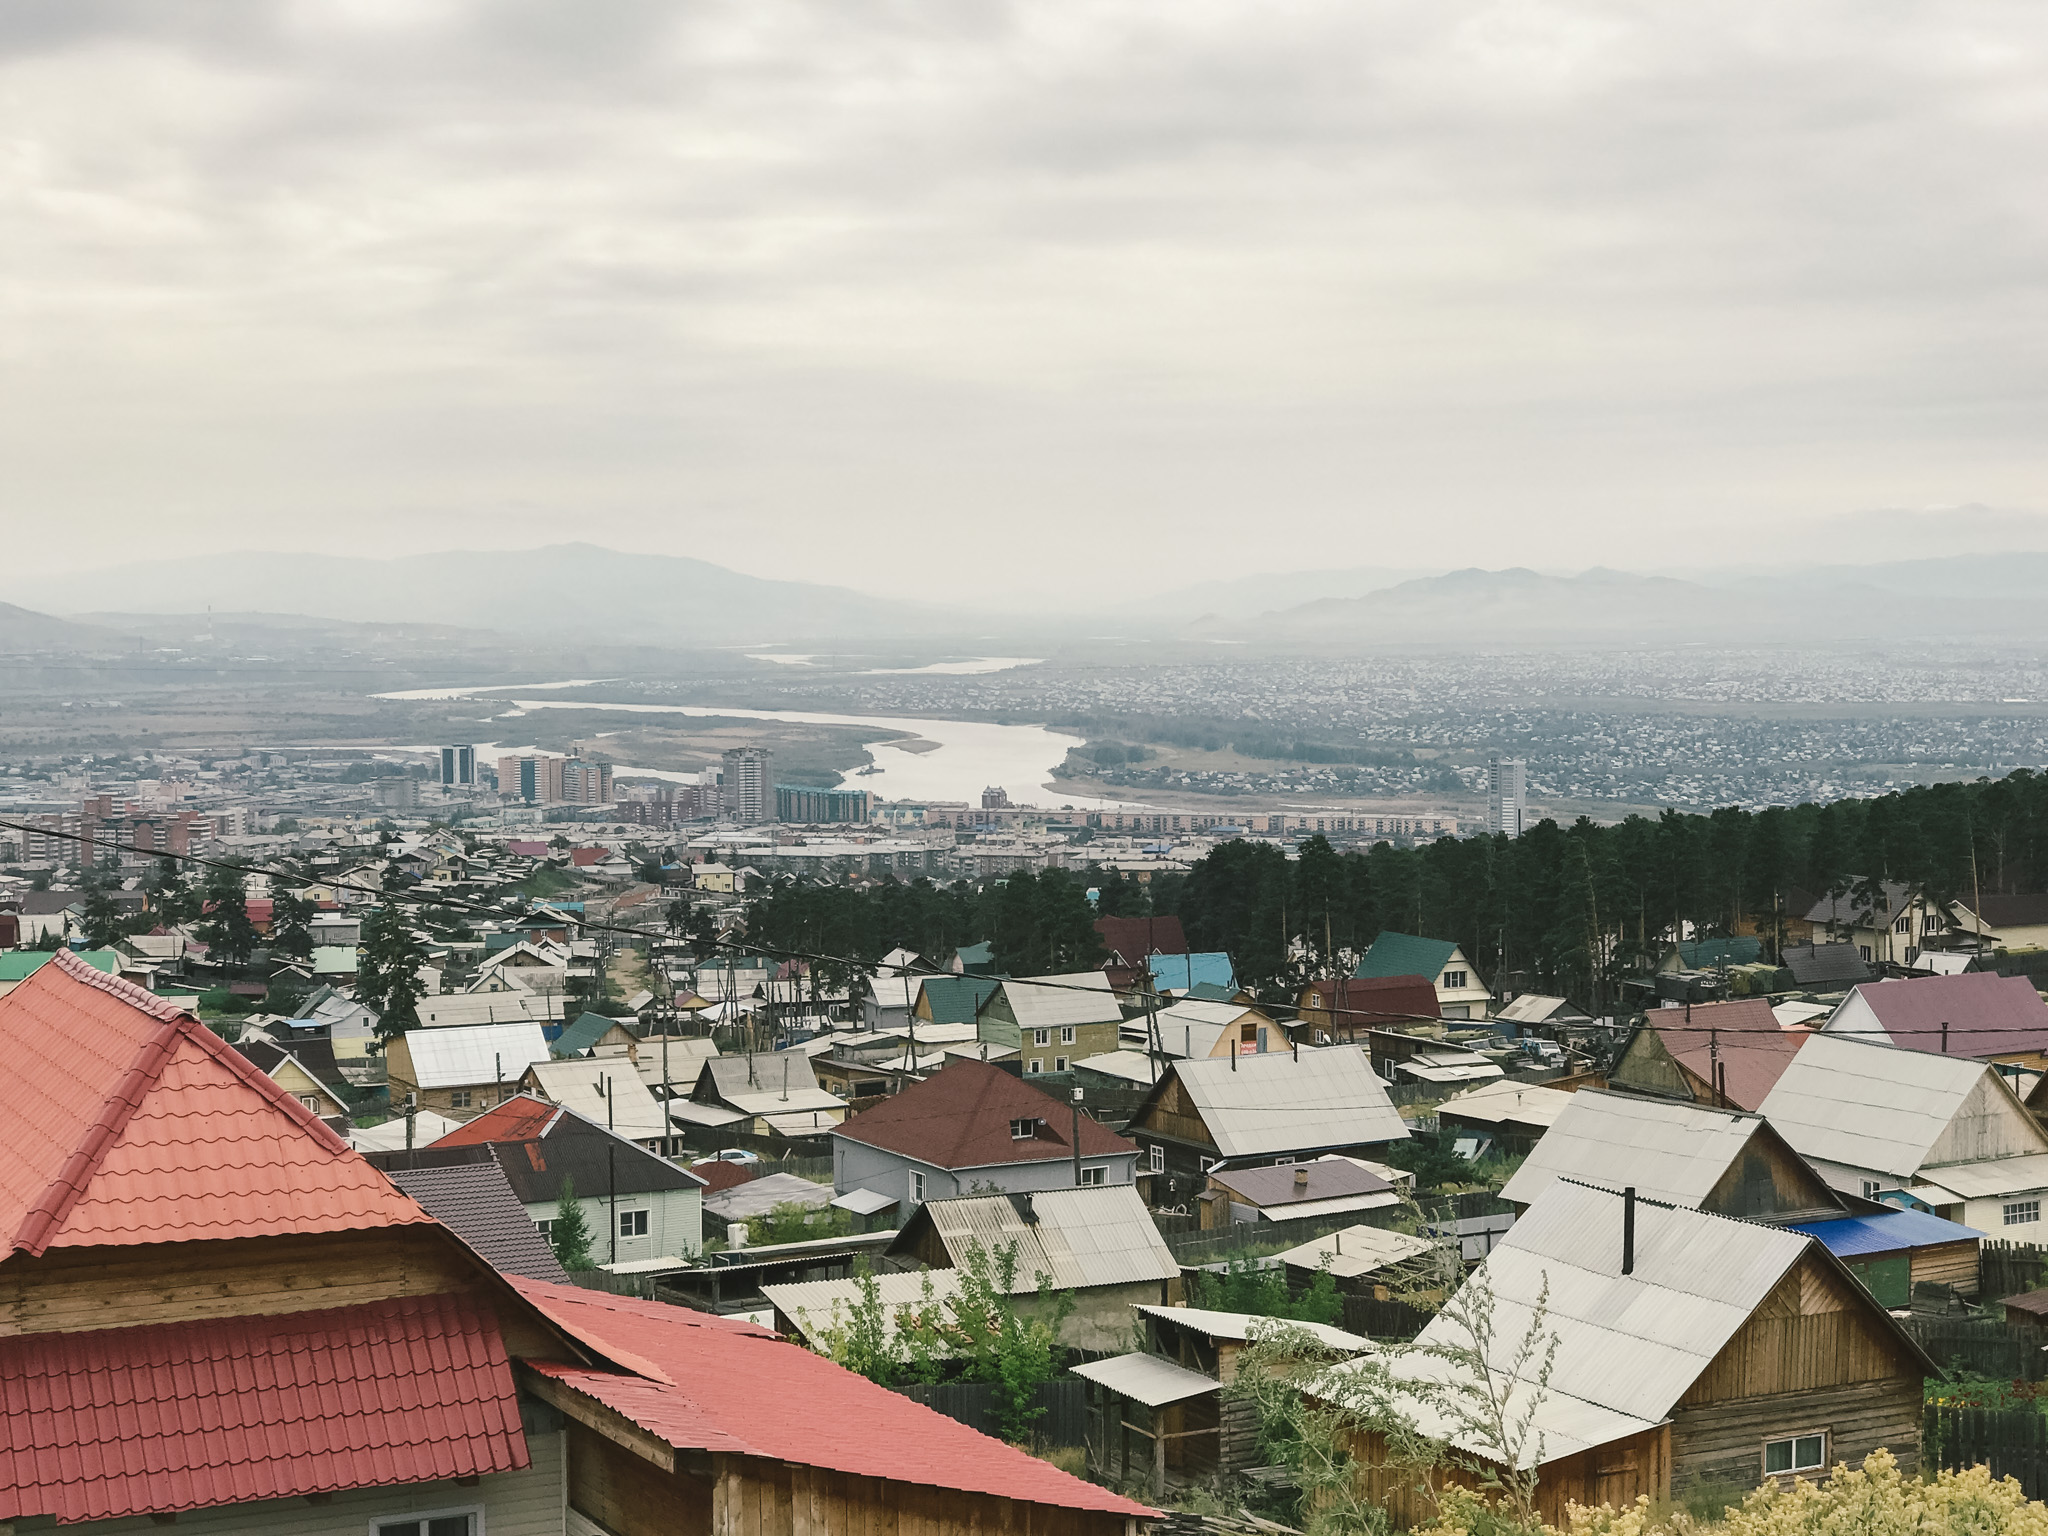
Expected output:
{"points": [[538, 1145], [1861, 1105], [466, 1054], [960, 1116], [2013, 911], [1986, 1014], [767, 1083], [1288, 1102], [957, 999], [1403, 954], [523, 1117], [1193, 1027], [127, 1121], [1370, 1001], [583, 1033], [1131, 939], [1323, 1178], [724, 1385], [475, 1201], [1753, 1049], [1846, 909], [267, 1058], [1669, 1149], [1821, 965], [181, 1416], [1629, 1346], [1077, 1237], [1045, 1002], [605, 1091]]}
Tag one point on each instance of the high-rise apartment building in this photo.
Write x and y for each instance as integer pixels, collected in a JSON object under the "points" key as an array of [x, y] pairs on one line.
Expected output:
{"points": [[747, 792], [586, 783], [802, 804], [458, 765], [1506, 802], [534, 778]]}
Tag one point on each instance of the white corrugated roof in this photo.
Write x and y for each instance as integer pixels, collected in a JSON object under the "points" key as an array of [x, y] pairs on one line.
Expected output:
{"points": [[1148, 1379], [815, 1305], [1628, 1346], [1357, 1251], [1864, 1105], [1522, 1103], [1084, 997], [1261, 1105], [1991, 1178], [1130, 1066], [1080, 1237], [1669, 1149], [468, 1054], [630, 1111], [458, 1010], [1243, 1326], [780, 1083]]}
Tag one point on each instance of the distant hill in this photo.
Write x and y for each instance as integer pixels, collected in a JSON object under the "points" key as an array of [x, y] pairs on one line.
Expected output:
{"points": [[23, 629], [563, 590]]}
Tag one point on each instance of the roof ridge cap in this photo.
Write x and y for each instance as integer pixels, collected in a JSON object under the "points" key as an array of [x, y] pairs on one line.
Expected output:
{"points": [[68, 961]]}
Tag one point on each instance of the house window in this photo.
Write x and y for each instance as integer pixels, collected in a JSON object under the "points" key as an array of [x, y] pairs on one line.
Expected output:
{"points": [[2022, 1213], [1059, 1063], [311, 1101], [1864, 951], [546, 1224], [1208, 1162], [1093, 1176], [1454, 979], [916, 1188], [1023, 1130], [1037, 1065], [1041, 1037], [1156, 1158], [453, 1522], [458, 1098], [1066, 1034], [632, 1223], [1798, 1453], [1870, 1189]]}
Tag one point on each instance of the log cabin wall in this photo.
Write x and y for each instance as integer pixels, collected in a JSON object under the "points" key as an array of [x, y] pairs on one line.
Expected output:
{"points": [[756, 1497], [1948, 1264], [630, 1496], [1768, 1180], [1616, 1473], [1721, 1444]]}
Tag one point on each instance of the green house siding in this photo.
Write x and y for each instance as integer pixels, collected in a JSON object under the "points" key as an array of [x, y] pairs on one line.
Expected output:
{"points": [[1888, 1277]]}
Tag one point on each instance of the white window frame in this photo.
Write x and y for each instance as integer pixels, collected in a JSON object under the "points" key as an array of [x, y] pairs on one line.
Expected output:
{"points": [[1155, 1158], [1041, 1037], [1030, 1129], [1059, 1063], [1037, 1066], [1206, 1163], [1764, 1457], [646, 1219], [916, 1187], [1066, 1034], [2030, 1212], [1871, 1189], [1094, 1176], [474, 1511], [545, 1225]]}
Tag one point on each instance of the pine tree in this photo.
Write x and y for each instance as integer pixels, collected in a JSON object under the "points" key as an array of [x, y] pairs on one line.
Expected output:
{"points": [[227, 929], [291, 931], [388, 978], [570, 1234]]}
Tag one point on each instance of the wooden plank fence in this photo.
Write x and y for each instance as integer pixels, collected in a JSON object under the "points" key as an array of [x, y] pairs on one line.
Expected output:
{"points": [[2007, 1269], [973, 1403], [1376, 1319], [1982, 1347], [2013, 1442]]}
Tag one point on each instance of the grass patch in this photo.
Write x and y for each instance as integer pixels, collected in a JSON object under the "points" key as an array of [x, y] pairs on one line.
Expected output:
{"points": [[543, 883]]}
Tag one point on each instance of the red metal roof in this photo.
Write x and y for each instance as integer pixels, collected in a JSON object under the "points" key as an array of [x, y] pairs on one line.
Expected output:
{"points": [[583, 858], [520, 1118], [1988, 1015], [715, 1384], [1754, 1050], [176, 1416], [1367, 1002], [960, 1116], [1133, 938], [127, 1121]]}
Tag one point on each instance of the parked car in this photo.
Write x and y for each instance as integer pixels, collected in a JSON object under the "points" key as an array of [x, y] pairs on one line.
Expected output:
{"points": [[729, 1155]]}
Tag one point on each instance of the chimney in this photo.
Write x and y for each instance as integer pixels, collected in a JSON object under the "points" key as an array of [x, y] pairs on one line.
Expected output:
{"points": [[1300, 1179], [1026, 1210], [1944, 1037], [1628, 1230]]}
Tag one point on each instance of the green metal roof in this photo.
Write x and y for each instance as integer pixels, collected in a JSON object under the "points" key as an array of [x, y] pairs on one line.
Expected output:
{"points": [[977, 957], [1403, 954], [1706, 954], [957, 999], [588, 1029], [20, 964]]}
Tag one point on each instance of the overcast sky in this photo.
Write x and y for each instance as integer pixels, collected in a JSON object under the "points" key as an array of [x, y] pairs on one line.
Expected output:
{"points": [[850, 291]]}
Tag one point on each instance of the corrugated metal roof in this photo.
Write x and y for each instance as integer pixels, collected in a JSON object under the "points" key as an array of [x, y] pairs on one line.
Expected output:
{"points": [[1357, 1251], [1079, 1237], [816, 1305], [1403, 954], [757, 1197], [778, 1083], [1084, 997], [461, 1055], [580, 1085], [1148, 1379], [1888, 1232], [1628, 1346], [1670, 1150], [1516, 1103], [1262, 1105], [1992, 1178], [1865, 1105], [1244, 1326]]}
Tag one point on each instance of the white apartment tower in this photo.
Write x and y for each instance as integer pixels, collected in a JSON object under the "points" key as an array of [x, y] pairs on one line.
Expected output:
{"points": [[747, 792], [1505, 799]]}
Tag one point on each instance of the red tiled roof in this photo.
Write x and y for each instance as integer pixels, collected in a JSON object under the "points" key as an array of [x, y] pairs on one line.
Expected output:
{"points": [[719, 1174], [1133, 938], [960, 1117], [127, 1121], [520, 1118], [1366, 1002], [527, 850], [177, 1416], [583, 858], [1754, 1050], [716, 1384], [1987, 1014]]}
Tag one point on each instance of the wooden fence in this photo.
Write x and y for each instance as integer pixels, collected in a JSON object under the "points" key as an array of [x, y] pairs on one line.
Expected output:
{"points": [[1982, 1347], [2006, 1269], [1375, 1319], [973, 1403], [2013, 1442]]}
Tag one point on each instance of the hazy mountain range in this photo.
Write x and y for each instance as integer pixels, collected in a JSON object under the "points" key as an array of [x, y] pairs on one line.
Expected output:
{"points": [[585, 593]]}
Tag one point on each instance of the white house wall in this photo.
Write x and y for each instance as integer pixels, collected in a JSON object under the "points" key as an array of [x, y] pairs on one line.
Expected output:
{"points": [[1991, 1123], [675, 1224]]}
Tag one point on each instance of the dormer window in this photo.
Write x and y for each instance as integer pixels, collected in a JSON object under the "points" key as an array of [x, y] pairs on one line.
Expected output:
{"points": [[1023, 1130]]}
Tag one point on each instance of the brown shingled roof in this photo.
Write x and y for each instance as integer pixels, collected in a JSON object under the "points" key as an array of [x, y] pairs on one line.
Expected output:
{"points": [[960, 1118]]}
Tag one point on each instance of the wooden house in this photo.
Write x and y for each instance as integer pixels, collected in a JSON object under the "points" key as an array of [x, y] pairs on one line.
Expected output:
{"points": [[1161, 1415], [168, 1203], [1348, 1008], [462, 1070], [1460, 994], [1980, 1013], [1197, 1028], [1763, 1358], [1731, 1054]]}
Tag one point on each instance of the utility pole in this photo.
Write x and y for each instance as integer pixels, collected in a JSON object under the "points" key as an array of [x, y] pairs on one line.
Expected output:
{"points": [[1076, 1101], [611, 1154]]}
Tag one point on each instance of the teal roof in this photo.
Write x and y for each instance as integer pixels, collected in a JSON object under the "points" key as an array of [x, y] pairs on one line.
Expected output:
{"points": [[1403, 954], [1180, 972], [582, 1035], [977, 957], [1706, 954], [957, 999], [20, 964], [1209, 992]]}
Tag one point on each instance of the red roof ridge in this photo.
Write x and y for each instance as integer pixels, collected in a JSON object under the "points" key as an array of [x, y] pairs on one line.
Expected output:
{"points": [[156, 1007]]}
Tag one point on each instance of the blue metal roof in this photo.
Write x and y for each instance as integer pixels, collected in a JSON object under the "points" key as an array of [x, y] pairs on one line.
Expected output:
{"points": [[1888, 1233], [1179, 972]]}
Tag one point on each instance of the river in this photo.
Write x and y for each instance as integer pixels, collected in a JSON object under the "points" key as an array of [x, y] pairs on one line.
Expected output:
{"points": [[965, 756]]}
